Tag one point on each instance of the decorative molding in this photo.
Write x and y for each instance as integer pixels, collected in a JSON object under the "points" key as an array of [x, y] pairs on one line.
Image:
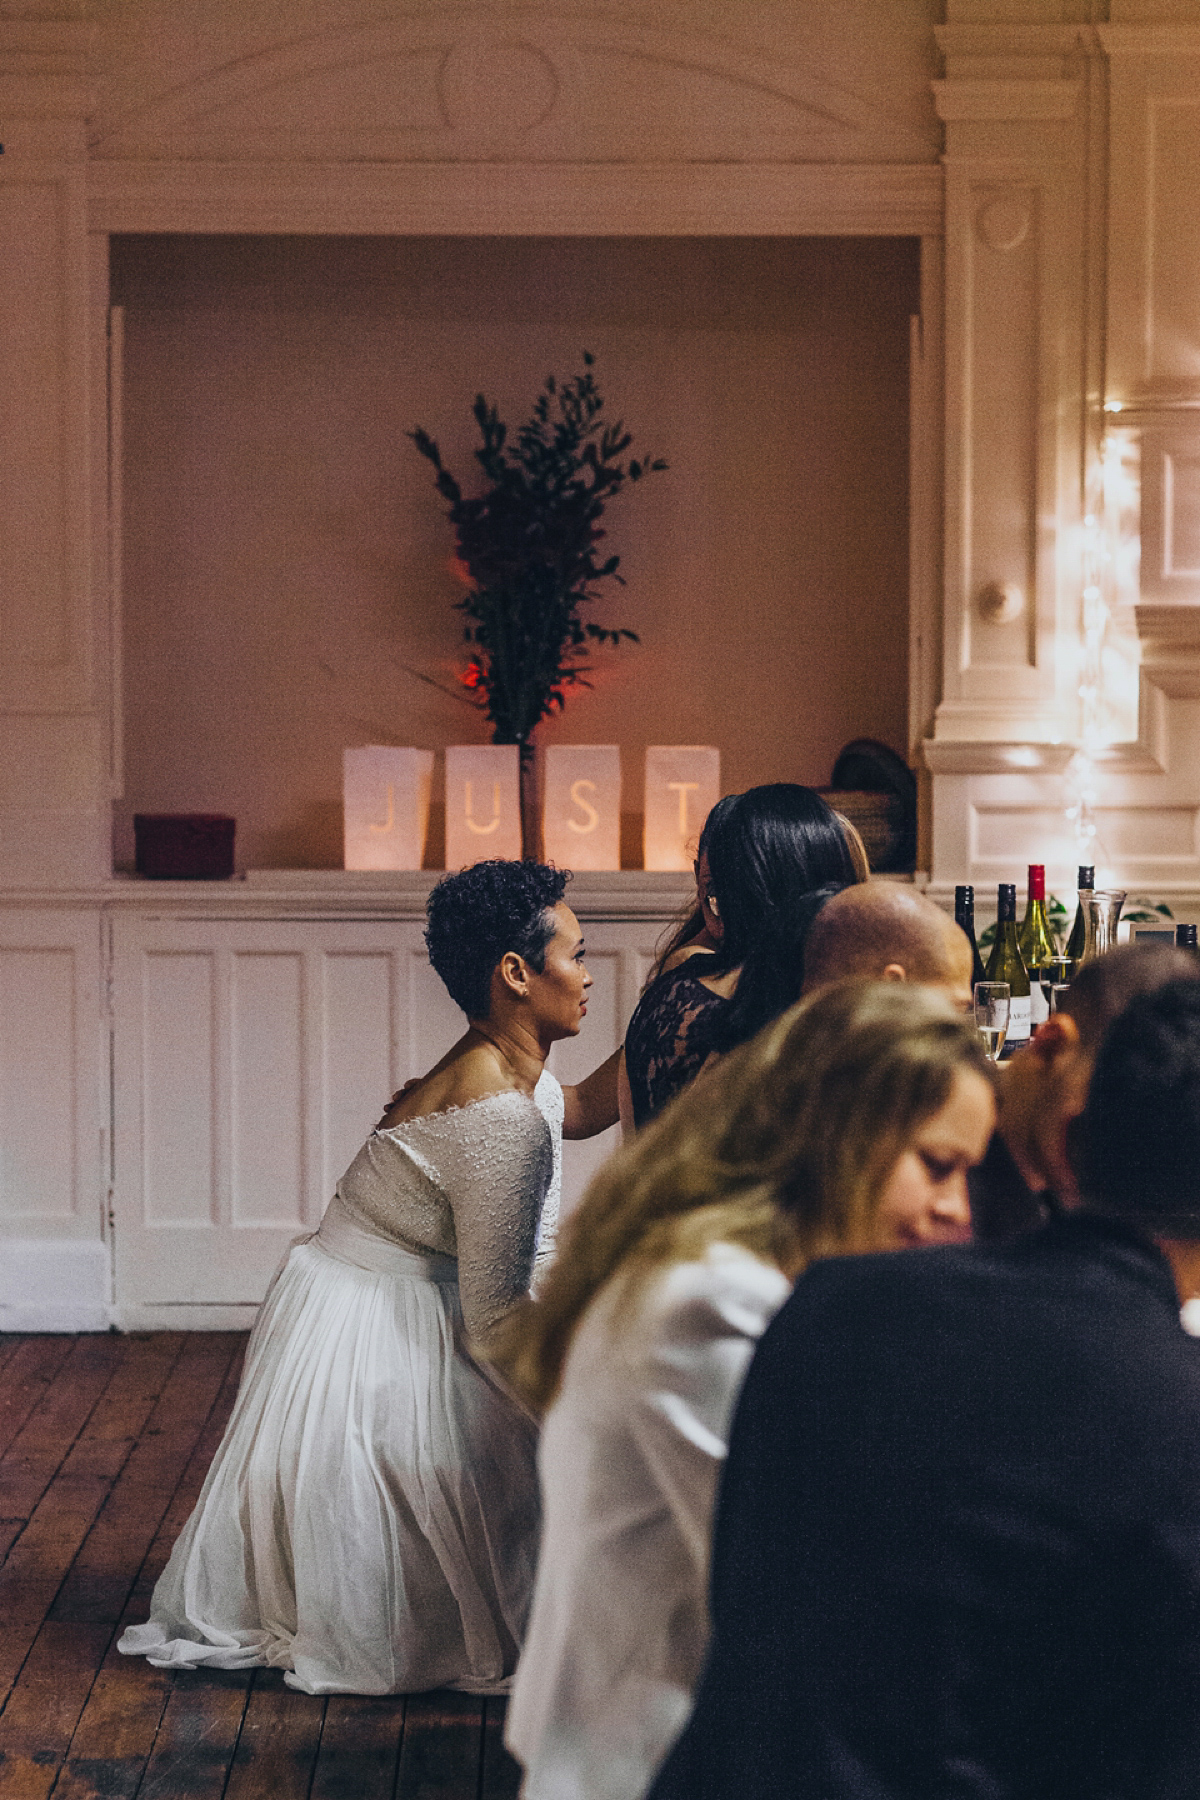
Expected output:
{"points": [[497, 198], [43, 70], [966, 757], [456, 85], [992, 100], [1011, 39], [1150, 40], [339, 894]]}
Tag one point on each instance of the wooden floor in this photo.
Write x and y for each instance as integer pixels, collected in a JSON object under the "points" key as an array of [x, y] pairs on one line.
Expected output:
{"points": [[104, 1442]]}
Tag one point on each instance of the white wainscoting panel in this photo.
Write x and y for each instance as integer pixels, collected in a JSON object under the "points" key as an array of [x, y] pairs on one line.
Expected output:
{"points": [[177, 990], [37, 1082], [357, 1050], [250, 1059], [54, 1143], [268, 1121]]}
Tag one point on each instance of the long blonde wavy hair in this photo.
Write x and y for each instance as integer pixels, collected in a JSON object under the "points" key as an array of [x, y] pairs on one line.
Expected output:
{"points": [[784, 1147]]}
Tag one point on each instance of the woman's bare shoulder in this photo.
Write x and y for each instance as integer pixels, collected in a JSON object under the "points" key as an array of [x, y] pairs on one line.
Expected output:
{"points": [[456, 1082], [684, 953]]}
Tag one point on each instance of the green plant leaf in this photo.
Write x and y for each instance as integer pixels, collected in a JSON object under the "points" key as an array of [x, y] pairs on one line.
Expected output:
{"points": [[529, 543]]}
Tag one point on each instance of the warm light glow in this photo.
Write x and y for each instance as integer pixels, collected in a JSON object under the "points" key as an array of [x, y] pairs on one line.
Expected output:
{"points": [[581, 815], [683, 784], [385, 795], [483, 803], [1108, 646]]}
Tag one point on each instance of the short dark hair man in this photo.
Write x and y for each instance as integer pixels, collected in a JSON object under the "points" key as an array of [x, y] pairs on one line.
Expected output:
{"points": [[1026, 1173], [958, 1542]]}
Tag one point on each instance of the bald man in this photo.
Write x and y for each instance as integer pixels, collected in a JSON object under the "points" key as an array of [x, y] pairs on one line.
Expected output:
{"points": [[883, 931]]}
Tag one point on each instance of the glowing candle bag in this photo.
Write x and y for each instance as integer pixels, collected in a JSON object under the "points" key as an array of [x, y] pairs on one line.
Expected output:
{"points": [[581, 817], [385, 796], [683, 784], [483, 804]]}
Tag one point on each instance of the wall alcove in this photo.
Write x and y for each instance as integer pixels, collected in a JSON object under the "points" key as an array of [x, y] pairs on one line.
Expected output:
{"points": [[287, 576]]}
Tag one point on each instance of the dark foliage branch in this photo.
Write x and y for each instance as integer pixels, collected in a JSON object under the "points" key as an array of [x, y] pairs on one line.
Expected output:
{"points": [[530, 546]]}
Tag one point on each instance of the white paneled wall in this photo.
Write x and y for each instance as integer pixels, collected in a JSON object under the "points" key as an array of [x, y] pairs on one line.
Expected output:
{"points": [[54, 1146], [250, 1057]]}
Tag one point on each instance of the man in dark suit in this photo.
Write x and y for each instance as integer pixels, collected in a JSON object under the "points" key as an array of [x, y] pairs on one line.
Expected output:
{"points": [[957, 1553]]}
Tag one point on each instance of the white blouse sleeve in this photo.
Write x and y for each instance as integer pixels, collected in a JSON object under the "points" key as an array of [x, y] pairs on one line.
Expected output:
{"points": [[706, 1320]]}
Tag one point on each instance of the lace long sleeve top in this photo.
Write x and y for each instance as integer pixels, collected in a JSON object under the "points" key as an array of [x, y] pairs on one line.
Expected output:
{"points": [[670, 1037], [469, 1182]]}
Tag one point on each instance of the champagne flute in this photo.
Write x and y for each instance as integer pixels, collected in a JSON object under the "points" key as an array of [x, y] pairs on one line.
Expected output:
{"points": [[991, 1015]]}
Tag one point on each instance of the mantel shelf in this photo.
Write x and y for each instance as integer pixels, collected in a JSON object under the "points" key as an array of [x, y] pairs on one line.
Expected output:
{"points": [[397, 894]]}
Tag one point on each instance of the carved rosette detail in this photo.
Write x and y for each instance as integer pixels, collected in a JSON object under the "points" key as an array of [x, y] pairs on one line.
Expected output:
{"points": [[1003, 222]]}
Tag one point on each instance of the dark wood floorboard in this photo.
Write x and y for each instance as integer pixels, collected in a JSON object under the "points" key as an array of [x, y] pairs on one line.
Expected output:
{"points": [[104, 1445]]}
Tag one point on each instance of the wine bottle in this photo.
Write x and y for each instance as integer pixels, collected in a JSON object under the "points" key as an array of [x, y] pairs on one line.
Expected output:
{"points": [[1005, 964], [1085, 882], [964, 915], [1185, 937], [1037, 944]]}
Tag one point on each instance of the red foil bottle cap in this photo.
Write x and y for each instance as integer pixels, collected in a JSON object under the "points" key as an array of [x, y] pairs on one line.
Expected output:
{"points": [[1037, 881]]}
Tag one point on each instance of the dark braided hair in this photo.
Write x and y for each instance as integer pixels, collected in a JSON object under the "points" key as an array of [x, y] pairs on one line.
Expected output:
{"points": [[480, 914]]}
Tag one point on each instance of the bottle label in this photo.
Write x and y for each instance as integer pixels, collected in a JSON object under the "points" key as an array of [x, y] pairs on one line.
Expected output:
{"points": [[1017, 1035], [1039, 1006]]}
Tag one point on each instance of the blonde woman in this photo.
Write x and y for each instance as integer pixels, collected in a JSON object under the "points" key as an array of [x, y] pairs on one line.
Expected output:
{"points": [[848, 1124]]}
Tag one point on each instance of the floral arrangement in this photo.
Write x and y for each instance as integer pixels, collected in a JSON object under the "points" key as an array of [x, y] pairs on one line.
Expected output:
{"points": [[529, 549]]}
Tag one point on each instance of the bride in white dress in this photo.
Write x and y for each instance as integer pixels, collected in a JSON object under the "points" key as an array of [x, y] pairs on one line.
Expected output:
{"points": [[370, 1521]]}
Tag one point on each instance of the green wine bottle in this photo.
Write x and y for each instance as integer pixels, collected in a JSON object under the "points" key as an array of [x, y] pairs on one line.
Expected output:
{"points": [[964, 916], [1037, 944], [1085, 882], [1005, 964]]}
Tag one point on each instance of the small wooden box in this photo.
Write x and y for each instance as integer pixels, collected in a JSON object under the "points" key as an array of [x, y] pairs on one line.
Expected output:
{"points": [[183, 846]]}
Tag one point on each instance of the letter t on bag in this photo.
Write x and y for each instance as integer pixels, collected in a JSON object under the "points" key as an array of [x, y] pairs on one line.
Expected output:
{"points": [[683, 784]]}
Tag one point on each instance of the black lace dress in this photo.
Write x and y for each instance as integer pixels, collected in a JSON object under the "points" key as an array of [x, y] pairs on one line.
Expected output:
{"points": [[670, 1037]]}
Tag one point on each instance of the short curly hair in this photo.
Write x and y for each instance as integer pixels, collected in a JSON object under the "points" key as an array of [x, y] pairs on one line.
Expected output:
{"points": [[478, 915]]}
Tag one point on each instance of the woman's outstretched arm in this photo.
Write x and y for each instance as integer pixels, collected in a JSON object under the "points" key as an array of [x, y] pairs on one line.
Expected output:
{"points": [[591, 1105]]}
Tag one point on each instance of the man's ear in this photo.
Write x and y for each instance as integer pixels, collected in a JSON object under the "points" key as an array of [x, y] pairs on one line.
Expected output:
{"points": [[894, 971], [1055, 1036]]}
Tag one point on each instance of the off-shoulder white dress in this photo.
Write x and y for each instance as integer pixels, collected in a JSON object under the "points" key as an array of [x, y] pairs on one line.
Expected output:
{"points": [[370, 1521]]}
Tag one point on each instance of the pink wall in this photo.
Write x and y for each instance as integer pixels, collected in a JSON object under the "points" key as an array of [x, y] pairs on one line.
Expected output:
{"points": [[286, 556]]}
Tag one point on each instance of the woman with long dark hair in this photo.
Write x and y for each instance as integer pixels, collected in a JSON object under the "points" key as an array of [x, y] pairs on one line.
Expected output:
{"points": [[774, 855]]}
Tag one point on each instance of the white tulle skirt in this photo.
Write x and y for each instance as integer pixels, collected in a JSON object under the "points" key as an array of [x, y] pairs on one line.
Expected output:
{"points": [[370, 1521]]}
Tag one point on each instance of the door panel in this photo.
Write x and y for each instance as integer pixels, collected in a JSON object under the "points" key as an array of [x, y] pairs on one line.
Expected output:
{"points": [[251, 1058]]}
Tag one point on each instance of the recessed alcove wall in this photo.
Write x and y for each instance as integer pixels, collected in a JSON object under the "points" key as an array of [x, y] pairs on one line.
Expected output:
{"points": [[287, 578]]}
